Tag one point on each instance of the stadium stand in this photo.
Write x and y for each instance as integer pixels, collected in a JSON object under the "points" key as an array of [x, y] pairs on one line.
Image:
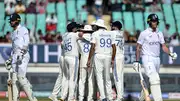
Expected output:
{"points": [[138, 18], [82, 12], [41, 22]]}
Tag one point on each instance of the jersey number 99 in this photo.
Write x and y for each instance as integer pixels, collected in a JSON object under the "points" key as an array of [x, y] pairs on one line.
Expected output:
{"points": [[105, 42]]}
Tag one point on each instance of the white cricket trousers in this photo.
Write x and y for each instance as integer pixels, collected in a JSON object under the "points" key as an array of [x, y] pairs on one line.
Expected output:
{"points": [[86, 73], [152, 65], [19, 78], [58, 84], [70, 75], [119, 75], [102, 72]]}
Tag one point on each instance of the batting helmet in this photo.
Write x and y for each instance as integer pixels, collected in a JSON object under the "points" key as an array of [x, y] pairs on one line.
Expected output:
{"points": [[117, 24], [15, 17], [152, 17]]}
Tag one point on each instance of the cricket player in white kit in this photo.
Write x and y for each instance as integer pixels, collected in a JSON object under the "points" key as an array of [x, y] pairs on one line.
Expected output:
{"points": [[58, 84], [103, 46], [84, 48], [19, 59], [149, 43], [119, 59], [71, 62]]}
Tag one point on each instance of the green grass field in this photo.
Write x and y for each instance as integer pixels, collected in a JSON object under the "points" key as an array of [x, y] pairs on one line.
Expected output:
{"points": [[46, 99]]}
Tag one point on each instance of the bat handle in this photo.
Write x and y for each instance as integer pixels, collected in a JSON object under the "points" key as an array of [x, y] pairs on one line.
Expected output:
{"points": [[9, 75], [140, 73]]}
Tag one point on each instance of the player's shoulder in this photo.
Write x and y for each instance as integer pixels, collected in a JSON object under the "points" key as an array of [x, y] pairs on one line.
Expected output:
{"points": [[145, 32], [22, 28]]}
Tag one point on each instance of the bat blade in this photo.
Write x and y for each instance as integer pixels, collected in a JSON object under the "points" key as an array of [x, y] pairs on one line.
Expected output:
{"points": [[145, 89], [9, 92], [9, 86]]}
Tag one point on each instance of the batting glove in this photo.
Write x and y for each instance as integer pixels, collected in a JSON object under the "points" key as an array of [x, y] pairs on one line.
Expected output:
{"points": [[8, 65], [136, 66], [173, 56]]}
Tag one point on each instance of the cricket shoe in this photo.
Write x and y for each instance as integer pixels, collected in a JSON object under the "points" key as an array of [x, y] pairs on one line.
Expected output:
{"points": [[53, 98], [104, 99], [33, 99]]}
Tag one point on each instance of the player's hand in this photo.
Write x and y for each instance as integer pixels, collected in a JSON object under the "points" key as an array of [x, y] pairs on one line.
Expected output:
{"points": [[8, 65], [136, 66], [173, 56], [112, 63], [88, 63]]}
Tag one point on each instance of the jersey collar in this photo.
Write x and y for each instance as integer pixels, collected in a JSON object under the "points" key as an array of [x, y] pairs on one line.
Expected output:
{"points": [[150, 29]]}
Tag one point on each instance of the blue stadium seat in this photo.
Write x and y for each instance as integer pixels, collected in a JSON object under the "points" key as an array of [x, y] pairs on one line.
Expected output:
{"points": [[50, 8], [61, 26], [1, 24], [177, 11], [178, 25], [61, 9], [80, 3], [117, 16], [82, 15], [161, 25], [30, 20], [22, 18], [168, 13], [128, 21], [2, 11], [139, 23], [41, 22], [7, 26], [113, 1], [71, 9], [146, 14]]}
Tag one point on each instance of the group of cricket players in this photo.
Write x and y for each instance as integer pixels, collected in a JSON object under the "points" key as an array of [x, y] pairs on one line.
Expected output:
{"points": [[89, 55]]}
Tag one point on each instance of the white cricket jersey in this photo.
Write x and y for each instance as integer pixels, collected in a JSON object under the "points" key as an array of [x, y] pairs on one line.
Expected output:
{"points": [[70, 44], [20, 39], [150, 42], [119, 41], [103, 41], [84, 49], [84, 45]]}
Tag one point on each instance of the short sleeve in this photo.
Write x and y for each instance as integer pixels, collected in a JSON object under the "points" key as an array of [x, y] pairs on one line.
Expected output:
{"points": [[93, 38], [161, 38], [141, 38], [25, 33]]}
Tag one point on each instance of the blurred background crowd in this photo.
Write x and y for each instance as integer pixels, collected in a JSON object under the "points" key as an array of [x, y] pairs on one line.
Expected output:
{"points": [[46, 20]]}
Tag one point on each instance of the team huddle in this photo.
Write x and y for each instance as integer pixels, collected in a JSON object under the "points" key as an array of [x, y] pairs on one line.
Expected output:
{"points": [[88, 55]]}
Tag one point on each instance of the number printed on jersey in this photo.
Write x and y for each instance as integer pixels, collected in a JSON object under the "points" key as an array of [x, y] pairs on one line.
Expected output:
{"points": [[67, 45], [119, 42], [86, 47], [105, 42]]}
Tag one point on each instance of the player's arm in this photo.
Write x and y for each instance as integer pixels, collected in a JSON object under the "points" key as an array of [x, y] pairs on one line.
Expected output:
{"points": [[91, 53], [136, 64], [113, 53], [138, 51], [166, 49]]}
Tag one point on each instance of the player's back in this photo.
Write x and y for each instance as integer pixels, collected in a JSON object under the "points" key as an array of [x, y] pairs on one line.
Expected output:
{"points": [[70, 44], [103, 40], [84, 44], [119, 41]]}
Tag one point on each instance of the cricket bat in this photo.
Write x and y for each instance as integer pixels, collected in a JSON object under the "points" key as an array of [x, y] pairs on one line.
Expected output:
{"points": [[144, 87], [9, 84]]}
